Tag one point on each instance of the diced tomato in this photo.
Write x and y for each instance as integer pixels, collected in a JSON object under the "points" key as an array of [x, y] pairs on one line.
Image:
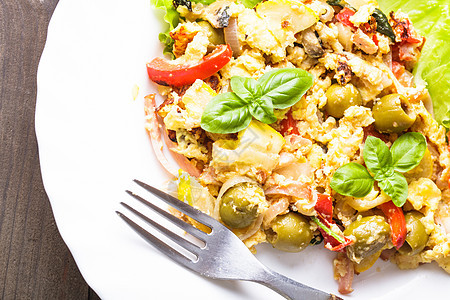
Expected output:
{"points": [[344, 15], [166, 72], [398, 69], [375, 39], [289, 125], [396, 220]]}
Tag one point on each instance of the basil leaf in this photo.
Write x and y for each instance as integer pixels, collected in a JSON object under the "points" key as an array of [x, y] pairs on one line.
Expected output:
{"points": [[262, 110], [352, 179], [395, 187], [285, 87], [383, 25], [407, 151], [226, 113], [245, 88], [376, 155]]}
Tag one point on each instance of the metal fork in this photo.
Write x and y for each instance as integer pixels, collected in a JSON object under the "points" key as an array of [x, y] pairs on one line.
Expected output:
{"points": [[223, 255]]}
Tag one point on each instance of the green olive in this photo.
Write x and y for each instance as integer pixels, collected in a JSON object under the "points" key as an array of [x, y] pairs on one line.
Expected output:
{"points": [[417, 237], [290, 232], [339, 98], [371, 234], [393, 114], [239, 205], [216, 37]]}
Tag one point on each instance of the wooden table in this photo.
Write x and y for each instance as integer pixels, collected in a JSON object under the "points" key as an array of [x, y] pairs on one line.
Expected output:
{"points": [[34, 261]]}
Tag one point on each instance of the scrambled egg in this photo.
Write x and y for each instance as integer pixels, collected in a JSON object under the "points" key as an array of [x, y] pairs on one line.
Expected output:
{"points": [[335, 53]]}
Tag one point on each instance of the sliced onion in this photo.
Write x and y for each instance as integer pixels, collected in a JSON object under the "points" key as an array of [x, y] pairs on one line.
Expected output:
{"points": [[181, 160], [285, 160], [297, 142], [154, 131], [278, 207], [344, 272], [252, 229], [387, 59], [344, 36], [294, 189], [428, 103], [231, 37], [295, 170]]}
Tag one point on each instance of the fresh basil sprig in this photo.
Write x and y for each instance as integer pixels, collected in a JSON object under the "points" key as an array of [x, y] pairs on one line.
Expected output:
{"points": [[383, 165], [232, 112]]}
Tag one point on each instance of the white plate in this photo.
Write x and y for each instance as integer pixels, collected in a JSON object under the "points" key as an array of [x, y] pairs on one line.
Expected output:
{"points": [[92, 143]]}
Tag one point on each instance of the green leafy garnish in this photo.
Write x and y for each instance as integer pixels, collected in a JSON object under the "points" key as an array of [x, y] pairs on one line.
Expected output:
{"points": [[339, 3], [232, 112], [383, 25], [407, 151], [383, 165], [171, 17], [250, 3], [352, 179], [431, 18]]}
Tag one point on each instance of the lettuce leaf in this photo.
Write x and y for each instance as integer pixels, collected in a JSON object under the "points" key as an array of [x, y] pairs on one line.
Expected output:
{"points": [[171, 17], [431, 18]]}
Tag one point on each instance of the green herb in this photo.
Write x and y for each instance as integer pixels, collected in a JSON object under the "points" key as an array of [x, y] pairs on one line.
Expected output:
{"points": [[383, 25], [226, 113], [431, 18], [285, 87], [339, 3], [396, 187], [232, 112], [407, 151], [336, 236], [352, 179], [171, 17], [376, 155], [384, 165], [250, 3]]}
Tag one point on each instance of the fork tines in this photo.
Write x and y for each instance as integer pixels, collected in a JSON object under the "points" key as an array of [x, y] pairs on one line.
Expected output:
{"points": [[157, 242]]}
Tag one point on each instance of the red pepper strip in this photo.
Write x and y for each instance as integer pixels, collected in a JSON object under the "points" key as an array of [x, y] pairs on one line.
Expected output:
{"points": [[165, 72], [324, 206], [289, 125], [333, 241], [344, 15], [396, 220]]}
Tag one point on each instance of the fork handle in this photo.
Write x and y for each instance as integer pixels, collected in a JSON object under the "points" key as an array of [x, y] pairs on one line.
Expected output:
{"points": [[291, 289]]}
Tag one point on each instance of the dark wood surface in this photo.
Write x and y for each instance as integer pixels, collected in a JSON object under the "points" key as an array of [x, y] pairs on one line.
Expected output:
{"points": [[34, 261]]}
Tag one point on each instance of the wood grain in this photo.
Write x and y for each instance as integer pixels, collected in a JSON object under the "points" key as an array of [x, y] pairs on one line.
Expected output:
{"points": [[34, 261]]}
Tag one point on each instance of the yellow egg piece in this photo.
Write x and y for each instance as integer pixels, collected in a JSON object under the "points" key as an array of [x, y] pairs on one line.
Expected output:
{"points": [[283, 14]]}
